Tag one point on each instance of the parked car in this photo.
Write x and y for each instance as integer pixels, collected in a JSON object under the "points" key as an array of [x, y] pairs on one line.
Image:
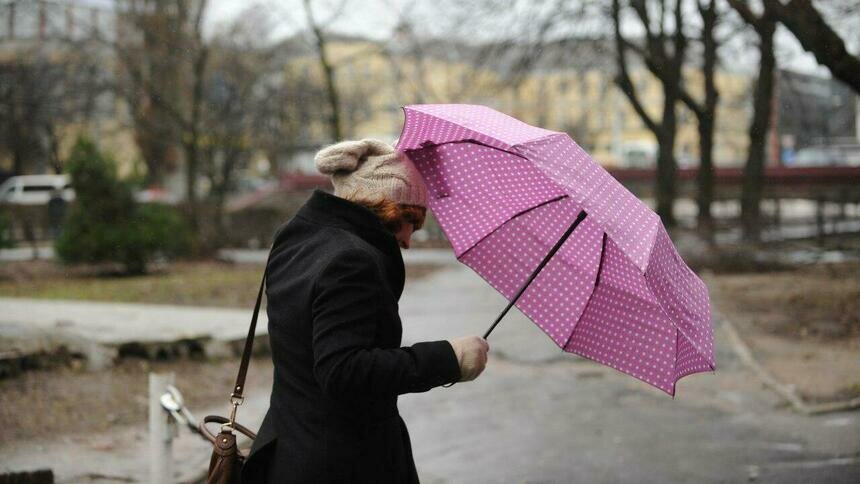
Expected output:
{"points": [[638, 154], [830, 155], [35, 189]]}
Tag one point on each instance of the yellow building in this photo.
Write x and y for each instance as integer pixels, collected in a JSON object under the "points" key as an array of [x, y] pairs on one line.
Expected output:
{"points": [[581, 100], [569, 89], [58, 75]]}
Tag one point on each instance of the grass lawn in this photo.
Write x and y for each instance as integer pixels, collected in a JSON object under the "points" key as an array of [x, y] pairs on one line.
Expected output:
{"points": [[197, 283]]}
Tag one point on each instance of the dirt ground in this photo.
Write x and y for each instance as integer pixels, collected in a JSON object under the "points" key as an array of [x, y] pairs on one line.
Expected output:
{"points": [[802, 324], [66, 400], [195, 283]]}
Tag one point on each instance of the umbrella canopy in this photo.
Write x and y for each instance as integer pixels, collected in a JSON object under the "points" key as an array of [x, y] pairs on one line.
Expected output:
{"points": [[549, 228]]}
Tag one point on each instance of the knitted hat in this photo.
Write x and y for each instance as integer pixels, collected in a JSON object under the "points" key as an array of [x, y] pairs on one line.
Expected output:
{"points": [[370, 169]]}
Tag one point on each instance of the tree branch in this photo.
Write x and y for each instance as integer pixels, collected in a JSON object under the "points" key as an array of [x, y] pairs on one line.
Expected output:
{"points": [[623, 78], [745, 12], [816, 36]]}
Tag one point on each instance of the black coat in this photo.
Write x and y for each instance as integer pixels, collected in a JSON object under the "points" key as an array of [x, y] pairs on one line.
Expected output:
{"points": [[334, 278]]}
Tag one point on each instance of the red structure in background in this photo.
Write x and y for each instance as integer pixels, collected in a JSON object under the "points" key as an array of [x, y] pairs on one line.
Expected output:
{"points": [[821, 183], [772, 175]]}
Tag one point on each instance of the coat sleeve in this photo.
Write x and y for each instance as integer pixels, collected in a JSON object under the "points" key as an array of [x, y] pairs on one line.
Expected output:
{"points": [[345, 308]]}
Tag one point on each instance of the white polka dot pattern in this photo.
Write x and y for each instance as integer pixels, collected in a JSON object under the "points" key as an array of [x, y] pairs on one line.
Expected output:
{"points": [[559, 293], [625, 327], [504, 193], [627, 220], [456, 122], [684, 297], [479, 179]]}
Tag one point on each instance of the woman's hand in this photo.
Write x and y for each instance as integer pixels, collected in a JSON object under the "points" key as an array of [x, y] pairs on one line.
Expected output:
{"points": [[471, 354]]}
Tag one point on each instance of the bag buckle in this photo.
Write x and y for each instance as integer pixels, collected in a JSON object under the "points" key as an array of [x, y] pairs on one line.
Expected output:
{"points": [[235, 401]]}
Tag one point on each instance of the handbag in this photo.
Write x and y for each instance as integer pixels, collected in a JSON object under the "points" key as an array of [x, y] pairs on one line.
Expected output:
{"points": [[225, 465]]}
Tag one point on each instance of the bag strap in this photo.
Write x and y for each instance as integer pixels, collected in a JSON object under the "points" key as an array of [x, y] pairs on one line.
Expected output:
{"points": [[236, 396], [239, 387]]}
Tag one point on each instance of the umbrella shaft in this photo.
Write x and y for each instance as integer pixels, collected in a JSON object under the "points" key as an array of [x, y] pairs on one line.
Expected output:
{"points": [[579, 218]]}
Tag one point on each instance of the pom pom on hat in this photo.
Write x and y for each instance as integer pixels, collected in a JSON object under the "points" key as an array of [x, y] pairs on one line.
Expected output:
{"points": [[346, 155], [371, 169]]}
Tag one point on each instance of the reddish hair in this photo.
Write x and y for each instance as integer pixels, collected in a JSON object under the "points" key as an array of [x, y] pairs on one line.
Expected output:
{"points": [[394, 215]]}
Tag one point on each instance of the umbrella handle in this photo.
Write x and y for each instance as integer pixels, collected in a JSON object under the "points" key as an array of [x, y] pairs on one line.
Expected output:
{"points": [[543, 263]]}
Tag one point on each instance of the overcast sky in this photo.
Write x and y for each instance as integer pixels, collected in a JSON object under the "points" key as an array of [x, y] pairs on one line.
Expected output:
{"points": [[376, 18]]}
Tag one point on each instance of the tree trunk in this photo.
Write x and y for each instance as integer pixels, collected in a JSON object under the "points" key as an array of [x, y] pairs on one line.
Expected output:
{"points": [[707, 119], [191, 169], [192, 149], [706, 171], [666, 67], [666, 167], [222, 188], [333, 96], [18, 162], [762, 105]]}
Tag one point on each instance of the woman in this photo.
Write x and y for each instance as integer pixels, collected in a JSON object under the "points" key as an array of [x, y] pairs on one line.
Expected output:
{"points": [[334, 277]]}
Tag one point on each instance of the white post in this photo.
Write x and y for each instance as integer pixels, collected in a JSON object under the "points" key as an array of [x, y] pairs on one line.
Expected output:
{"points": [[160, 433]]}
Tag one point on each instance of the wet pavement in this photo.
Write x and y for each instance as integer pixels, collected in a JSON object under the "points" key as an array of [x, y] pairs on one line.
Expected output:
{"points": [[538, 415]]}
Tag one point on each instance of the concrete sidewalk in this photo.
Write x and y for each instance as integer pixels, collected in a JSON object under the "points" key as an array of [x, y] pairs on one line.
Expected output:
{"points": [[101, 331], [411, 256], [18, 254]]}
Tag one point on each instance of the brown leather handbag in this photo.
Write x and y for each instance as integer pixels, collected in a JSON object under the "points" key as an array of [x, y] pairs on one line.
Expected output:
{"points": [[225, 466]]}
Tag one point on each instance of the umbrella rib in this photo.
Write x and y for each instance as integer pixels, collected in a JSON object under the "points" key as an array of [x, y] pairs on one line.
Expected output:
{"points": [[596, 282], [579, 218], [518, 214], [428, 144]]}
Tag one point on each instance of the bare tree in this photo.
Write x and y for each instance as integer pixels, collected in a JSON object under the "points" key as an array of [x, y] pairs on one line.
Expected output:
{"points": [[165, 59], [287, 105], [27, 98], [407, 47], [663, 52], [149, 80], [44, 89], [818, 37], [228, 119], [317, 29], [706, 111], [764, 25]]}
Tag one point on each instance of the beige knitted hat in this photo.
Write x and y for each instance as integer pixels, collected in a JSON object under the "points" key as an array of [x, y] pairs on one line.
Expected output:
{"points": [[371, 170]]}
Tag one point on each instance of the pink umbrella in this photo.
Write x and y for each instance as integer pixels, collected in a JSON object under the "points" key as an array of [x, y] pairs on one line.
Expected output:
{"points": [[534, 215]]}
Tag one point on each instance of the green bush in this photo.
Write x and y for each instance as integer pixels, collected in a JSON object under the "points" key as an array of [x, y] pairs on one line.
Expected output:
{"points": [[5, 236], [106, 225]]}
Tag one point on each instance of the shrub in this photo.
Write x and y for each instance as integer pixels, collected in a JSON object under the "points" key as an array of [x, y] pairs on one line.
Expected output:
{"points": [[106, 225], [5, 236]]}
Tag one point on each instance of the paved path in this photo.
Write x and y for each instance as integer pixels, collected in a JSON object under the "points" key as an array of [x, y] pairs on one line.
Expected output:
{"points": [[411, 256], [18, 254], [98, 330], [539, 415]]}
